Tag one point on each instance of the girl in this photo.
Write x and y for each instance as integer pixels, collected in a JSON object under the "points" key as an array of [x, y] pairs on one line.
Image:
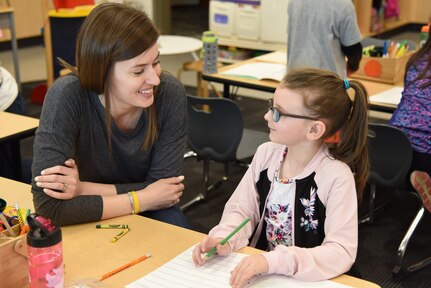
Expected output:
{"points": [[301, 191]]}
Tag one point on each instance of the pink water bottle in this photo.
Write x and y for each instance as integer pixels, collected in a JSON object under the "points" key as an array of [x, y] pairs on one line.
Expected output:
{"points": [[45, 253]]}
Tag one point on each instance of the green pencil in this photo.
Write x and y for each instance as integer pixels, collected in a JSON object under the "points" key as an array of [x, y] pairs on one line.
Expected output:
{"points": [[211, 253]]}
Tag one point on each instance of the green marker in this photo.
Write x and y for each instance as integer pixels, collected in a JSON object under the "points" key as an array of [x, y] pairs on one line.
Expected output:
{"points": [[211, 253]]}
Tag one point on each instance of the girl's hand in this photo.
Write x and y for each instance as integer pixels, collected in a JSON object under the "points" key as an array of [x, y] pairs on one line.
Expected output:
{"points": [[206, 245], [246, 269], [60, 178], [161, 194]]}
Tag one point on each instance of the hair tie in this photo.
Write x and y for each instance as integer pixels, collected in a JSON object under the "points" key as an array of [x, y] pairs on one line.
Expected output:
{"points": [[346, 84]]}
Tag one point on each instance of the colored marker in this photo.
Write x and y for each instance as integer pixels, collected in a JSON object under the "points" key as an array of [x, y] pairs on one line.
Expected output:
{"points": [[211, 253], [112, 226], [121, 234]]}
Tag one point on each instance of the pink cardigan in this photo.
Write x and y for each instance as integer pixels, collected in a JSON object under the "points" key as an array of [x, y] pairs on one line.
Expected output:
{"points": [[336, 190]]}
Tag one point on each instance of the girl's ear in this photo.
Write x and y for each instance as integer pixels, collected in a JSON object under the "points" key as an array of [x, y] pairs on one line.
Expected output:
{"points": [[316, 130]]}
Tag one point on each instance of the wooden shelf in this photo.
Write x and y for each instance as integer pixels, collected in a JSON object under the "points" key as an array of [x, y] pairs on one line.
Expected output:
{"points": [[411, 11]]}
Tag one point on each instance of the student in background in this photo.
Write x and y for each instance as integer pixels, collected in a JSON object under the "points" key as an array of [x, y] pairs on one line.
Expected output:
{"points": [[322, 34], [300, 193], [11, 100], [112, 134], [413, 114]]}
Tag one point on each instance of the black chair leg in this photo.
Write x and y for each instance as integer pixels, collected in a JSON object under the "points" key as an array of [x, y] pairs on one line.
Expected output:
{"points": [[202, 196], [370, 217], [399, 268]]}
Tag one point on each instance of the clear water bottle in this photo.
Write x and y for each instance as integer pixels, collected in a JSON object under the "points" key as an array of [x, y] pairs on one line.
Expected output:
{"points": [[209, 52], [45, 253]]}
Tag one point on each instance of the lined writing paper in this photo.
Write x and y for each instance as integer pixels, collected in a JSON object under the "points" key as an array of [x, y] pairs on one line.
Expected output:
{"points": [[180, 272]]}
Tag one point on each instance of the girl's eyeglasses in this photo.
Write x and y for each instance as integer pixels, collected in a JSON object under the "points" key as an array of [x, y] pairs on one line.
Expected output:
{"points": [[276, 114]]}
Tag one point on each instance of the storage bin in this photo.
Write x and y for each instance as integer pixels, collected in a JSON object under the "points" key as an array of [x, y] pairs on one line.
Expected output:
{"points": [[222, 17], [386, 70], [13, 257], [247, 21]]}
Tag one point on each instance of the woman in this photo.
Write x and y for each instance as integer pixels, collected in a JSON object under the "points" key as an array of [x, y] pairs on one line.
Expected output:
{"points": [[112, 133]]}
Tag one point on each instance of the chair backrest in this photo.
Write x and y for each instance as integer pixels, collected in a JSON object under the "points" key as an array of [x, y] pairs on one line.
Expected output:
{"points": [[390, 154], [215, 130]]}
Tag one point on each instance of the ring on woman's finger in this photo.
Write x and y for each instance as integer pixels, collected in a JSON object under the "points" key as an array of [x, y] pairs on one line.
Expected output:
{"points": [[64, 187]]}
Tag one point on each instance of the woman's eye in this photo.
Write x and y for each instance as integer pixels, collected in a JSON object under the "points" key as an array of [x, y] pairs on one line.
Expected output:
{"points": [[139, 72], [156, 63]]}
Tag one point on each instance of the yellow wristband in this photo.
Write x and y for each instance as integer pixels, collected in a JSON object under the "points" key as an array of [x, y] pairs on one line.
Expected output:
{"points": [[135, 202], [132, 204]]}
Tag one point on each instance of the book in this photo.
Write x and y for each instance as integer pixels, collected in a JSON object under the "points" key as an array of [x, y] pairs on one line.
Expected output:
{"points": [[258, 71]]}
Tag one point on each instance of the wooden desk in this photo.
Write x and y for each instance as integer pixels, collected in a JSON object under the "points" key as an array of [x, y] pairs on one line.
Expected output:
{"points": [[13, 128], [373, 88], [9, 13], [89, 253]]}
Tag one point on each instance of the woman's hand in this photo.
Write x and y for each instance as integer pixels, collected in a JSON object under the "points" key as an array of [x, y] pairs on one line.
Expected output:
{"points": [[206, 245], [60, 178], [161, 194], [246, 269]]}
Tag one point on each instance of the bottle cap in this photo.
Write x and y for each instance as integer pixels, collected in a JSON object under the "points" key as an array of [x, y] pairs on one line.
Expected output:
{"points": [[42, 232]]}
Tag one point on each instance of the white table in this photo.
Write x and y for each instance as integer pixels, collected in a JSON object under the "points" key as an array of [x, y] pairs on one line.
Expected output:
{"points": [[173, 44]]}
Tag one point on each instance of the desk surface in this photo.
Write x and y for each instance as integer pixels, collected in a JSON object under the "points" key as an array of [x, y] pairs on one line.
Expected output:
{"points": [[5, 10], [88, 252], [373, 88], [16, 126], [172, 44]]}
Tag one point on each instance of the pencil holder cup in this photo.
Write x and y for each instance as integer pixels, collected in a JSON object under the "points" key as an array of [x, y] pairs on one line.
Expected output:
{"points": [[45, 253]]}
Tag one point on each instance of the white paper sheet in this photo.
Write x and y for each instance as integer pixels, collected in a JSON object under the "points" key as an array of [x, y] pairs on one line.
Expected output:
{"points": [[274, 57], [180, 272], [259, 71], [391, 96]]}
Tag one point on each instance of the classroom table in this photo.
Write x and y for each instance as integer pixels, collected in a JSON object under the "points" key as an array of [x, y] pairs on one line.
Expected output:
{"points": [[227, 81], [13, 128], [89, 253]]}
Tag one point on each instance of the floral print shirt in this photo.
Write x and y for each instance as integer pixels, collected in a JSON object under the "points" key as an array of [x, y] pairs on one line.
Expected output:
{"points": [[279, 214], [413, 114]]}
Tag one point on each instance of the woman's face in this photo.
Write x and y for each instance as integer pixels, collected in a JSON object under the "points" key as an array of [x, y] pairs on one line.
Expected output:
{"points": [[133, 81]]}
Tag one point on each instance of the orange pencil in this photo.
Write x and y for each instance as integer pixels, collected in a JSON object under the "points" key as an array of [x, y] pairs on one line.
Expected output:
{"points": [[119, 269]]}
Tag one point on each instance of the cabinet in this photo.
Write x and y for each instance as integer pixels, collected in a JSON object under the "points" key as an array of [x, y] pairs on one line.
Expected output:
{"points": [[28, 16], [411, 11]]}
